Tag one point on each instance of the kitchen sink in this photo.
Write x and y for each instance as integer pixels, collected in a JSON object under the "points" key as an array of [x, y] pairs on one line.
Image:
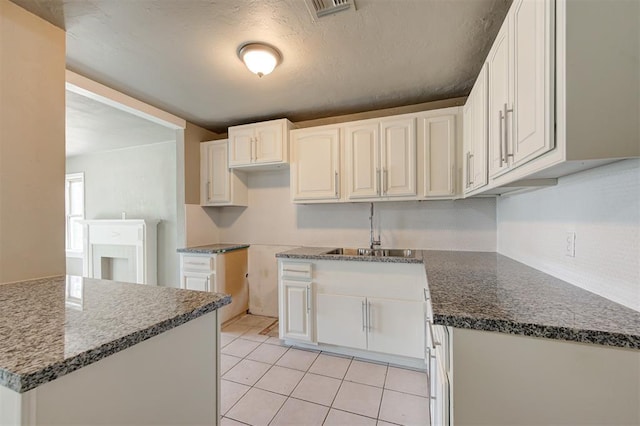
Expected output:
{"points": [[372, 252]]}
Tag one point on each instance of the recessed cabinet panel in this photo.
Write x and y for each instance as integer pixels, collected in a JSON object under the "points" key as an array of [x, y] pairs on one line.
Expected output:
{"points": [[389, 332], [295, 312], [269, 143], [398, 157], [341, 320], [440, 149], [241, 147], [315, 164], [530, 105], [220, 187], [479, 129], [197, 281], [363, 170], [498, 101], [475, 135]]}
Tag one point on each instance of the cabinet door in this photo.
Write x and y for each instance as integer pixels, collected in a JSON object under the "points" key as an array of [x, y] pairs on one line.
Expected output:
{"points": [[241, 149], [198, 281], [220, 185], [315, 164], [296, 310], [362, 161], [396, 327], [398, 142], [440, 156], [341, 320], [206, 172], [498, 61], [467, 144], [530, 116], [479, 130], [269, 143]]}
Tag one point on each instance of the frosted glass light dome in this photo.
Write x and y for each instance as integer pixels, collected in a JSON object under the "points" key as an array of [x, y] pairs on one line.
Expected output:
{"points": [[259, 58]]}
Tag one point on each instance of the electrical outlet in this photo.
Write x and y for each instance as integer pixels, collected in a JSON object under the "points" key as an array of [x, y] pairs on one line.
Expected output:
{"points": [[570, 244]]}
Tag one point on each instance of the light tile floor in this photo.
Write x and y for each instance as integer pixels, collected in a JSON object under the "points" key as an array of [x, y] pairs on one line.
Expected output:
{"points": [[265, 382]]}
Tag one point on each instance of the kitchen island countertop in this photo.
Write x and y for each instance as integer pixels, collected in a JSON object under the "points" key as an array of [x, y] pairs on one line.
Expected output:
{"points": [[212, 248], [54, 326], [491, 292]]}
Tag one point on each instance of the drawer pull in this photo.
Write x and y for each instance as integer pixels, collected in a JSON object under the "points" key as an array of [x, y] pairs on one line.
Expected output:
{"points": [[298, 271]]}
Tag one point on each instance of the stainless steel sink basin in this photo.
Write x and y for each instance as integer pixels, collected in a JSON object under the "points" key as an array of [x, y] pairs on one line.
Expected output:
{"points": [[372, 252]]}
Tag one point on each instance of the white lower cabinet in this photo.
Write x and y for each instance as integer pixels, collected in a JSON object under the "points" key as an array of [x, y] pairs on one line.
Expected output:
{"points": [[197, 280], [355, 306], [220, 273], [389, 331], [295, 315], [340, 320], [374, 324]]}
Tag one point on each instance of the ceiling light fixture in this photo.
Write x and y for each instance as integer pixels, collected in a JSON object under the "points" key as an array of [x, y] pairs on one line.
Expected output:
{"points": [[260, 58]]}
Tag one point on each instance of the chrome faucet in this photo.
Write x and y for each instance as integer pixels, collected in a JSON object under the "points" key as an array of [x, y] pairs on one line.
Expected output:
{"points": [[372, 242]]}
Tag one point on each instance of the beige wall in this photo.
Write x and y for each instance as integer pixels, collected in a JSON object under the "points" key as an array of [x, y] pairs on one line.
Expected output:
{"points": [[32, 145]]}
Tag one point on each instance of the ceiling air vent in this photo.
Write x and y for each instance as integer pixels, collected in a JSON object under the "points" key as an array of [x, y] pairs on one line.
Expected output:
{"points": [[320, 8]]}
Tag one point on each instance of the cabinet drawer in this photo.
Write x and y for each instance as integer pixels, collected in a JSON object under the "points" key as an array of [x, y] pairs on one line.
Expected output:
{"points": [[199, 263], [296, 271]]}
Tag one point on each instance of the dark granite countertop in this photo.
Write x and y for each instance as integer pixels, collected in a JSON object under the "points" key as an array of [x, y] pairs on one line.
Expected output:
{"points": [[51, 327], [320, 253], [213, 248], [491, 292], [488, 291]]}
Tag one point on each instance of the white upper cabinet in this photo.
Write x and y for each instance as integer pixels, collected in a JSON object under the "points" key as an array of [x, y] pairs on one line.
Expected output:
{"points": [[315, 164], [499, 100], [380, 158], [259, 146], [531, 111], [220, 186], [362, 156], [520, 87], [474, 172], [398, 157], [439, 135]]}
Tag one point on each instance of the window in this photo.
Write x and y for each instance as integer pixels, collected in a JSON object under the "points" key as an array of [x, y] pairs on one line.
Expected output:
{"points": [[74, 210]]}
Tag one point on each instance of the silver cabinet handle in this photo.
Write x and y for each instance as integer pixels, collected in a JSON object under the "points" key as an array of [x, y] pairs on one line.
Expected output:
{"points": [[502, 160], [385, 179], [254, 148], [426, 295], [369, 326], [294, 270], [335, 181], [468, 169], [208, 191], [363, 315], [308, 289], [207, 285], [378, 181], [506, 133], [469, 179]]}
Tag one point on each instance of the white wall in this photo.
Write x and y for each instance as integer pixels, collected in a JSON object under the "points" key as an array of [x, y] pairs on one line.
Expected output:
{"points": [[272, 223], [602, 206], [32, 67], [140, 181]]}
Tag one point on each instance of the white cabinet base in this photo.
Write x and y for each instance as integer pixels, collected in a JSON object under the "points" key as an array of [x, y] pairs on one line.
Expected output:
{"points": [[415, 363]]}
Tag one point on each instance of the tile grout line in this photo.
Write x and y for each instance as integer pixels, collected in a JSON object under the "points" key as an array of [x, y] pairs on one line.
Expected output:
{"points": [[294, 388]]}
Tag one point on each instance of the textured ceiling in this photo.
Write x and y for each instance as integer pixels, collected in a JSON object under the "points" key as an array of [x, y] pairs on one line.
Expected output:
{"points": [[180, 55], [93, 126]]}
